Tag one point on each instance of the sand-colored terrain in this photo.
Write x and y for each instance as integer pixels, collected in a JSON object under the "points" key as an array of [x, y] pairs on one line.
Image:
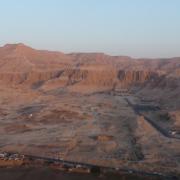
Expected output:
{"points": [[75, 107]]}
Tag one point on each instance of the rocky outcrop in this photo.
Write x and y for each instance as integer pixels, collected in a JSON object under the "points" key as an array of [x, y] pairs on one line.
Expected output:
{"points": [[104, 78], [23, 65], [28, 78], [12, 78], [132, 78]]}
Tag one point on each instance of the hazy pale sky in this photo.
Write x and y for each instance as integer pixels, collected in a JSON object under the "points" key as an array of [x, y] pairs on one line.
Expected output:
{"points": [[138, 28]]}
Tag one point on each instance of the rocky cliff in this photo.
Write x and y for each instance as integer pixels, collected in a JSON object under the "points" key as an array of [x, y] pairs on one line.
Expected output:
{"points": [[22, 65]]}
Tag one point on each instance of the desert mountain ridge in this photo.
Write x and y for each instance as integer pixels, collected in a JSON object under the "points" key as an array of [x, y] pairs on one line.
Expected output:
{"points": [[21, 47], [21, 65]]}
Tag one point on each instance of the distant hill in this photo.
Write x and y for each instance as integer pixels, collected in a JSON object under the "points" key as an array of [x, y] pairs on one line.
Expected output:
{"points": [[87, 72]]}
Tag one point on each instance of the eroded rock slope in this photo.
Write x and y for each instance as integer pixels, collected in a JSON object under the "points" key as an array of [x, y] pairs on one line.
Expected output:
{"points": [[88, 72]]}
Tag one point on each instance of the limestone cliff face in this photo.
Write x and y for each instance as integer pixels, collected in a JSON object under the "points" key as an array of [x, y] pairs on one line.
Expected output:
{"points": [[131, 78], [20, 64], [12, 78], [28, 78], [110, 78], [89, 77], [103, 78]]}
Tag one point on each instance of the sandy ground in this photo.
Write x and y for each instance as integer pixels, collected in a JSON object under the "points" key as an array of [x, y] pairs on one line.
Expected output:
{"points": [[99, 129]]}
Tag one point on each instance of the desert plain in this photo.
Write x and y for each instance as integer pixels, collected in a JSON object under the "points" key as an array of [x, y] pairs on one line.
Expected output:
{"points": [[112, 111]]}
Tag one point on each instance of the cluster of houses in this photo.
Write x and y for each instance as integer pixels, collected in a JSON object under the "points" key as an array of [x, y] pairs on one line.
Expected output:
{"points": [[55, 163], [11, 156], [65, 165]]}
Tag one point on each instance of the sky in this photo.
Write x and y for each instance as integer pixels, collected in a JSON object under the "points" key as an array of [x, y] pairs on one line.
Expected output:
{"points": [[137, 28]]}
